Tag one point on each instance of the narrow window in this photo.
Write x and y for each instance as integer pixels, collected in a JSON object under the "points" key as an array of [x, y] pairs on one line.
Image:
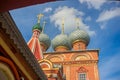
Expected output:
{"points": [[82, 76]]}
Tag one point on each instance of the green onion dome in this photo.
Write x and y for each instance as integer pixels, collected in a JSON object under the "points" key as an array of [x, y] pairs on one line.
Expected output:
{"points": [[43, 38], [37, 26], [61, 40], [79, 35]]}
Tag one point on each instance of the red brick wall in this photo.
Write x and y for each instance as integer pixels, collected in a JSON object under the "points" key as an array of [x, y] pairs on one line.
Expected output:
{"points": [[70, 69], [72, 74]]}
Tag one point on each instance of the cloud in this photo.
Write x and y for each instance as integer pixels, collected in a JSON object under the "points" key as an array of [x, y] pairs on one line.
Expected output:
{"points": [[109, 67], [108, 14], [48, 9], [88, 18], [96, 4], [69, 14], [103, 25]]}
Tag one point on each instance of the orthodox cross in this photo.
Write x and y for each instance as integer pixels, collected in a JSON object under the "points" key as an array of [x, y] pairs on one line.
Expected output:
{"points": [[77, 22], [62, 25], [39, 17], [43, 26]]}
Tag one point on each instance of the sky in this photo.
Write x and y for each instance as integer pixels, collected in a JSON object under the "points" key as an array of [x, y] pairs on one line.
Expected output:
{"points": [[100, 18]]}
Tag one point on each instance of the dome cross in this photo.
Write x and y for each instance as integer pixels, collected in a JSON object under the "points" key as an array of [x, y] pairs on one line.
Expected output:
{"points": [[62, 26], [77, 22], [39, 17], [43, 26]]}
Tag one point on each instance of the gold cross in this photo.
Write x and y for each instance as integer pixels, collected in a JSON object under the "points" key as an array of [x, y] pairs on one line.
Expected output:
{"points": [[78, 22], [39, 17], [44, 25], [62, 25]]}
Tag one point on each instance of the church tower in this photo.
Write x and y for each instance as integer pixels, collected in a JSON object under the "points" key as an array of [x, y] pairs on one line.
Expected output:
{"points": [[34, 43], [38, 44], [79, 63]]}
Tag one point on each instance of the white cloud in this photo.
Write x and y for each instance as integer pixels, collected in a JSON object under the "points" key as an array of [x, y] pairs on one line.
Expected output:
{"points": [[103, 25], [69, 14], [108, 14], [110, 66], [93, 3], [48, 9], [88, 18]]}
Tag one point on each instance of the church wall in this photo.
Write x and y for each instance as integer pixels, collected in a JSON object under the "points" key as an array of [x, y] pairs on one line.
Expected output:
{"points": [[72, 74], [73, 60], [70, 56]]}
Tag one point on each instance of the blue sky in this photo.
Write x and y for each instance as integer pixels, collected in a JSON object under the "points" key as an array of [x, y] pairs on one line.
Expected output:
{"points": [[101, 19]]}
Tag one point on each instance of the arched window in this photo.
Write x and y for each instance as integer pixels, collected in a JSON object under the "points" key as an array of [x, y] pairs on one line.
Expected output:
{"points": [[82, 73]]}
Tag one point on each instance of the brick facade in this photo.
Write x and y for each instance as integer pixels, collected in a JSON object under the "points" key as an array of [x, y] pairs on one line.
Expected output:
{"points": [[72, 61]]}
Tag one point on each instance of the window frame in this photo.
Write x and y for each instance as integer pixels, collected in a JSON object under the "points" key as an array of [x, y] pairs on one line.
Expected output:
{"points": [[83, 78]]}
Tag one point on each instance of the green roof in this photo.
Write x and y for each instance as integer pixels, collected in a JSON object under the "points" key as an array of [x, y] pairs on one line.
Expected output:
{"points": [[37, 26]]}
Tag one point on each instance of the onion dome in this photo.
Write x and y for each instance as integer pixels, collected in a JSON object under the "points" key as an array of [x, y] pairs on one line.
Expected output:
{"points": [[79, 35], [43, 38], [61, 40], [37, 26]]}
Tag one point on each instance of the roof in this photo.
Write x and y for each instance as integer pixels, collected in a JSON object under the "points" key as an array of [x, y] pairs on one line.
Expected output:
{"points": [[6, 5], [71, 51], [12, 35]]}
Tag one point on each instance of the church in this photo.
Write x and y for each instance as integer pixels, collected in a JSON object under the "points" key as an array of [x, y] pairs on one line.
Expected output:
{"points": [[70, 60]]}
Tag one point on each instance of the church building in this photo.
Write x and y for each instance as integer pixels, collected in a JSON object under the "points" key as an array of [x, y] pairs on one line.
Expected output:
{"points": [[70, 60]]}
